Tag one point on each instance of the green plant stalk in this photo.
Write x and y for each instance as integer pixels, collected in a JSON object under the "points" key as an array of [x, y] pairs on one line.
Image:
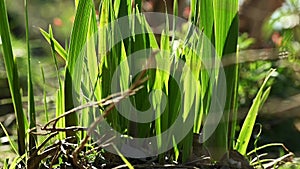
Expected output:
{"points": [[13, 77], [17, 161], [175, 14], [110, 60], [226, 37], [188, 101], [58, 48], [31, 105], [76, 3], [74, 61], [161, 82], [60, 109], [207, 25], [59, 101], [5, 165], [194, 5], [128, 164], [9, 139], [203, 11], [140, 42], [118, 52], [174, 100], [90, 83], [132, 128], [231, 73], [45, 96], [233, 117], [255, 145]]}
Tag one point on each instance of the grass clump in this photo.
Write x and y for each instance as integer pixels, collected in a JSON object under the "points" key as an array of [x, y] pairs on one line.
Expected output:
{"points": [[118, 73]]}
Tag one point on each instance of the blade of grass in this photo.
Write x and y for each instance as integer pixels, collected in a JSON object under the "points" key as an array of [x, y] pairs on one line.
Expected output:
{"points": [[226, 36], [202, 11], [92, 64], [233, 117], [59, 101], [45, 96], [117, 9], [76, 3], [19, 158], [9, 139], [138, 43], [126, 48], [194, 5], [175, 14], [60, 109], [206, 15], [122, 8], [161, 83], [31, 104], [191, 91], [75, 59], [207, 18], [232, 76], [90, 83], [58, 48], [138, 4], [128, 164], [176, 150], [5, 164], [247, 128], [17, 161], [13, 77], [225, 13], [111, 59]]}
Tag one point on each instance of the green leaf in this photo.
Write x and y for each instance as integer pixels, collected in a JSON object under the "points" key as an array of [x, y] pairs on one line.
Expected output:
{"points": [[90, 84], [45, 96], [60, 109], [75, 59], [9, 139], [247, 128], [58, 48], [225, 13], [224, 36], [128, 164], [207, 18], [31, 104], [17, 161], [13, 77]]}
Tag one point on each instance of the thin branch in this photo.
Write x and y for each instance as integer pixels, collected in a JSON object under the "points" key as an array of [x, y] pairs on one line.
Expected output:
{"points": [[44, 143], [278, 160], [107, 101], [72, 128]]}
